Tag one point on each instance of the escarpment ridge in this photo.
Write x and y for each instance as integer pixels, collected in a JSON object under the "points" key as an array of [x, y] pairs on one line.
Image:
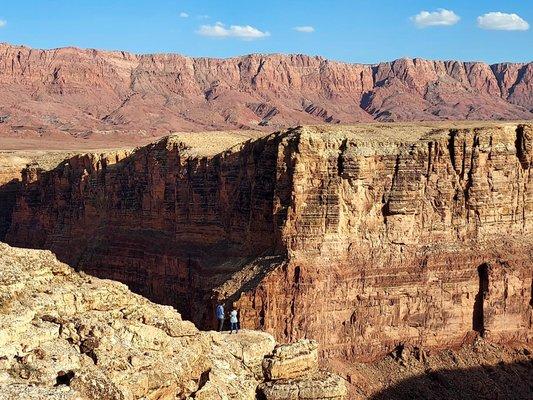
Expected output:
{"points": [[392, 235], [102, 96]]}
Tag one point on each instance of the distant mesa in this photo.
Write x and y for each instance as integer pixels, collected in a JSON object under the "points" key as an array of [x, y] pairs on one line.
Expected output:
{"points": [[101, 95]]}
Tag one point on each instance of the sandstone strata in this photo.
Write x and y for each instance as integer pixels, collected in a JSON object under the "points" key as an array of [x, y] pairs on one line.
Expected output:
{"points": [[98, 95], [11, 165], [65, 335], [292, 371], [321, 386], [364, 238], [291, 361]]}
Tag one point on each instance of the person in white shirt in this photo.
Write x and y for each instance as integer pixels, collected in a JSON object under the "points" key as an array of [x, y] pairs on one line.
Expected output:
{"points": [[234, 321]]}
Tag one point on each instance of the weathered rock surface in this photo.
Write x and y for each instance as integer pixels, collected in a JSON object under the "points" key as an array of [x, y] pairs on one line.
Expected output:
{"points": [[11, 165], [400, 238], [321, 386], [363, 238], [100, 95], [292, 360], [65, 335]]}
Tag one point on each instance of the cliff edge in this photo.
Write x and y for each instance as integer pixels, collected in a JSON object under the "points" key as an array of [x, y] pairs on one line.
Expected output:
{"points": [[65, 335]]}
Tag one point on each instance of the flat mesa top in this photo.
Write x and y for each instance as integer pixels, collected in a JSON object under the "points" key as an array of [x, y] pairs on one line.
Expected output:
{"points": [[405, 132], [212, 142], [209, 143], [201, 144]]}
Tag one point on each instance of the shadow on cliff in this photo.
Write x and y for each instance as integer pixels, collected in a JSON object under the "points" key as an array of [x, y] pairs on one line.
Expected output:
{"points": [[92, 212], [503, 381], [8, 198]]}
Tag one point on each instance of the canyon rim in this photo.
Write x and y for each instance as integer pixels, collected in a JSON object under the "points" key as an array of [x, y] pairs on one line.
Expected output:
{"points": [[410, 238], [371, 223]]}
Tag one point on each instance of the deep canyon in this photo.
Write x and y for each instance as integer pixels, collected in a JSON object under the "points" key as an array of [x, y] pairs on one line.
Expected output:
{"points": [[368, 239], [306, 192]]}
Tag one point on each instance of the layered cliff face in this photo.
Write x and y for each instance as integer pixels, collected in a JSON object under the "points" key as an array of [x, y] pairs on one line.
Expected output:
{"points": [[366, 238], [98, 95], [65, 335], [11, 165], [405, 237]]}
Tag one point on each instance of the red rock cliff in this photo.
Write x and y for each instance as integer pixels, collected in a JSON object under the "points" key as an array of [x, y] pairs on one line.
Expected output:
{"points": [[85, 93], [364, 238]]}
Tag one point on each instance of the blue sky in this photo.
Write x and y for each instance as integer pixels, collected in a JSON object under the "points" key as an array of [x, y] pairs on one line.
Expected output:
{"points": [[348, 30]]}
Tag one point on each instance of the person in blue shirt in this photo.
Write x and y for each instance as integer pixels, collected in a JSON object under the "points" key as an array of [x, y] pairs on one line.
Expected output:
{"points": [[220, 316]]}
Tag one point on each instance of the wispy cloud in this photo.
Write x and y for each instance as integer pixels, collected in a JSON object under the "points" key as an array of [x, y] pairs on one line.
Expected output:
{"points": [[219, 30], [203, 16], [304, 29], [441, 17], [3, 23], [183, 14], [502, 22]]}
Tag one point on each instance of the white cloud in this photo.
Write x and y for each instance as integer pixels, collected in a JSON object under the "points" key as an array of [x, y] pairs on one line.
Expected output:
{"points": [[304, 29], [441, 17], [502, 22], [3, 23], [203, 16], [219, 30], [184, 15]]}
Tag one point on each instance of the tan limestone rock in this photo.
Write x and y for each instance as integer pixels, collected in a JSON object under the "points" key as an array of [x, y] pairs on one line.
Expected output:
{"points": [[65, 335], [292, 360], [321, 386]]}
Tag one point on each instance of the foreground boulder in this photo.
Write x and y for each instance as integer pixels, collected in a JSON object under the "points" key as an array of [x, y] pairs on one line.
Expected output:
{"points": [[292, 361], [322, 386], [293, 373], [66, 335]]}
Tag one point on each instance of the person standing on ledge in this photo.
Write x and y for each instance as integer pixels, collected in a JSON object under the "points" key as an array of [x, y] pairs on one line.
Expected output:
{"points": [[234, 321], [220, 316]]}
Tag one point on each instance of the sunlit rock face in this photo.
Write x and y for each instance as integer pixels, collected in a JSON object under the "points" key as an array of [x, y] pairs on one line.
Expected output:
{"points": [[67, 335], [404, 238], [364, 238]]}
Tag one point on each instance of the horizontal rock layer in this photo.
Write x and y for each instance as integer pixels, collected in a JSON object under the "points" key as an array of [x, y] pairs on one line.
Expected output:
{"points": [[88, 94], [362, 238]]}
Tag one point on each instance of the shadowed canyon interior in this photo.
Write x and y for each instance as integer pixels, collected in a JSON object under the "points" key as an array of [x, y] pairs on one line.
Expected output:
{"points": [[390, 235]]}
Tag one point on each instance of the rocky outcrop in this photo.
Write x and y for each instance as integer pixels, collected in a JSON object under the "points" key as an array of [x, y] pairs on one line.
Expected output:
{"points": [[65, 335], [292, 361], [321, 386], [364, 238], [293, 373], [98, 95]]}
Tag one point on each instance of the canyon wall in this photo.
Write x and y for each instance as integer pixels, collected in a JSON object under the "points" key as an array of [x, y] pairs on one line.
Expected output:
{"points": [[366, 238], [157, 219], [99, 95], [395, 240]]}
